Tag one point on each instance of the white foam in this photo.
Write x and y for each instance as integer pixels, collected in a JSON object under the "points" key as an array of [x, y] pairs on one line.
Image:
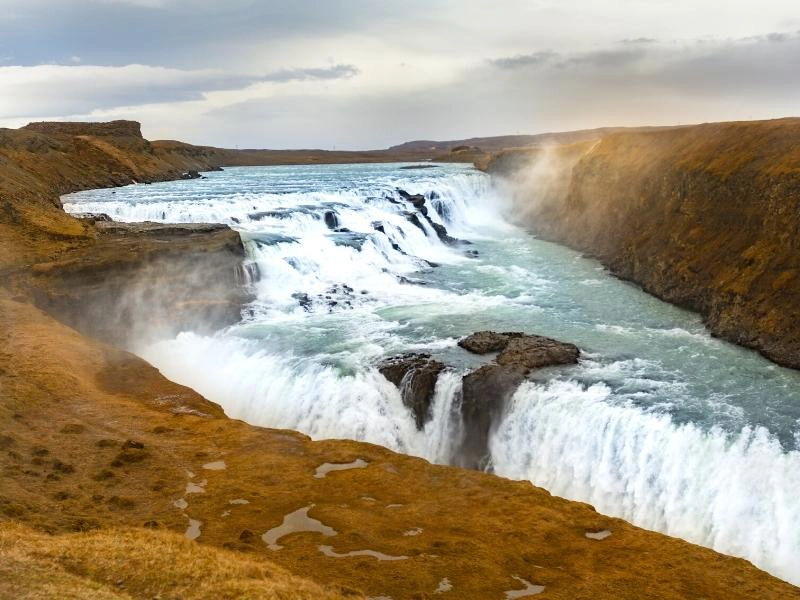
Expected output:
{"points": [[736, 494]]}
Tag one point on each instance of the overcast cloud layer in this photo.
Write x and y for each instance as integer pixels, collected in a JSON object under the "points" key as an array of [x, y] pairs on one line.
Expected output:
{"points": [[367, 74]]}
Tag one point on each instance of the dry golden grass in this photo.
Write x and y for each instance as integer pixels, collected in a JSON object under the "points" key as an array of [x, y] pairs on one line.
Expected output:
{"points": [[137, 563]]}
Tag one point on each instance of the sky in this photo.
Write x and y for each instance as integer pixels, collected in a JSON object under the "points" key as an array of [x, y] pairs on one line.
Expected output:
{"points": [[362, 74]]}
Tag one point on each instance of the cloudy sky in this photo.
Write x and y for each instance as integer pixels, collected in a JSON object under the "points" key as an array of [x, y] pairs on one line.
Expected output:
{"points": [[371, 73]]}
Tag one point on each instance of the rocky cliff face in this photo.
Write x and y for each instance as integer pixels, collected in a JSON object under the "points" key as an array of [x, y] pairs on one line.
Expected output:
{"points": [[704, 216], [110, 280]]}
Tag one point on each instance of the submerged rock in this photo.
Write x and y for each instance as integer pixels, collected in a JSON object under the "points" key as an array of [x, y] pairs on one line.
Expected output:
{"points": [[415, 376]]}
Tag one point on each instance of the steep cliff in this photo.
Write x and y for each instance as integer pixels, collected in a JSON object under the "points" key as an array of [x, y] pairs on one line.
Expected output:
{"points": [[703, 216], [109, 280]]}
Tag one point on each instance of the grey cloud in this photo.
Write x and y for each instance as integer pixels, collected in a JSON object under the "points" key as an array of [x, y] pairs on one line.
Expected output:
{"points": [[524, 60], [638, 41], [335, 72], [64, 90], [176, 33], [605, 58]]}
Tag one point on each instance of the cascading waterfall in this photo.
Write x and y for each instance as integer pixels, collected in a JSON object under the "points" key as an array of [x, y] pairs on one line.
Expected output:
{"points": [[660, 423]]}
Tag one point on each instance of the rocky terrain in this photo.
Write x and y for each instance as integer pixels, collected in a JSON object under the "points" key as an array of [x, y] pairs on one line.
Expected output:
{"points": [[118, 483], [702, 216], [485, 390]]}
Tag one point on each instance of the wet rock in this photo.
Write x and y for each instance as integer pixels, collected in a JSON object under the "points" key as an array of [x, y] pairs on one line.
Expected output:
{"points": [[535, 352], [486, 391], [417, 200], [484, 342], [191, 175], [414, 220], [331, 219], [415, 375], [93, 217], [303, 300], [441, 232]]}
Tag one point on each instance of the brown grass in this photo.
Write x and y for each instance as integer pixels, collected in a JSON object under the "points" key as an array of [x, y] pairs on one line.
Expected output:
{"points": [[137, 563]]}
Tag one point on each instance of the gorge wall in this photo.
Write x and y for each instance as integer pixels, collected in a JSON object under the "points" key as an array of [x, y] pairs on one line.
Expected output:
{"points": [[706, 217]]}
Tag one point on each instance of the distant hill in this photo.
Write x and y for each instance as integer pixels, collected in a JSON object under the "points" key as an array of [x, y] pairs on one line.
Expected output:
{"points": [[500, 142]]}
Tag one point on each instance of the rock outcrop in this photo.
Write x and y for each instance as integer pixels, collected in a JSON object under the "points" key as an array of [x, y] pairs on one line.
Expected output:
{"points": [[486, 390], [141, 280], [415, 375], [702, 216]]}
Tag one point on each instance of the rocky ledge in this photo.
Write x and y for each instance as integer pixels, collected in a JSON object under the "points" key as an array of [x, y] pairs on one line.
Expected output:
{"points": [[135, 281], [484, 391]]}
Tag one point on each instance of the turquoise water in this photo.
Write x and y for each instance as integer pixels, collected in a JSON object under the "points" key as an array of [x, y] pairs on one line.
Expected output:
{"points": [[660, 423]]}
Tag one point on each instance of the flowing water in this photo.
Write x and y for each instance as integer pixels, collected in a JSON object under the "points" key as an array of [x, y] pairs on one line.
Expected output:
{"points": [[660, 423]]}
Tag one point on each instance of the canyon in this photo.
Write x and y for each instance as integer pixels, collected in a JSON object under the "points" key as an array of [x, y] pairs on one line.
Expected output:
{"points": [[104, 456]]}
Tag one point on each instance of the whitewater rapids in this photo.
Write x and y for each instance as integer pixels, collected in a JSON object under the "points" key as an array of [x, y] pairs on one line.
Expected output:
{"points": [[660, 424]]}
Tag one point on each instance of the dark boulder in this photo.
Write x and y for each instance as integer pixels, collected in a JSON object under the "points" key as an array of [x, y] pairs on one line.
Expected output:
{"points": [[484, 394], [483, 342], [414, 220], [415, 375], [535, 352], [191, 175], [331, 219], [486, 390], [417, 200], [303, 300], [441, 232]]}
